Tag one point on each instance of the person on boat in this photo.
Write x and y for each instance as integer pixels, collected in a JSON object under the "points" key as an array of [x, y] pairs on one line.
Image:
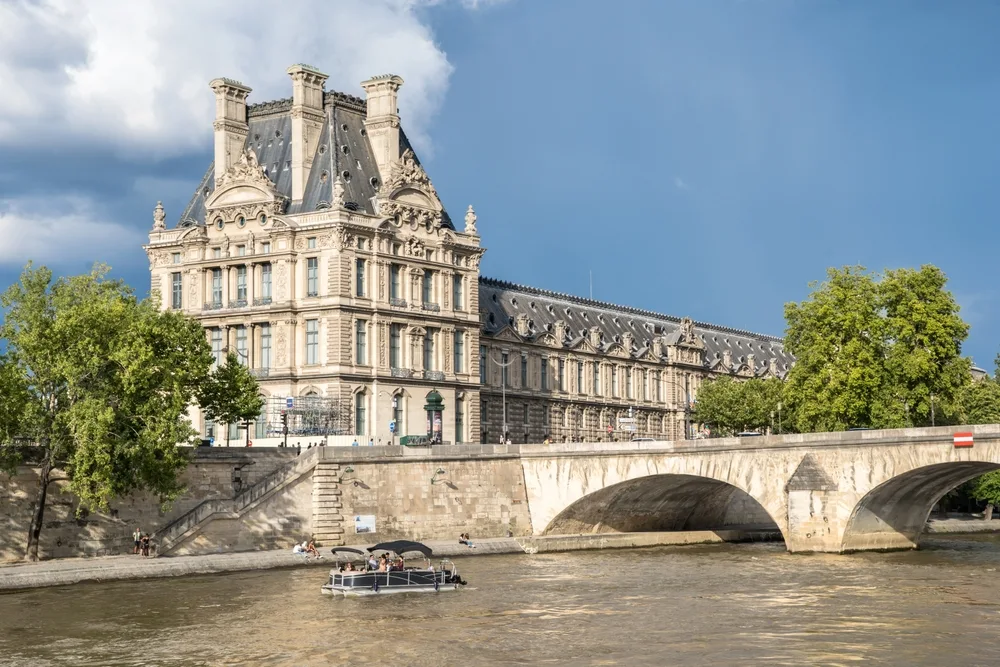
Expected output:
{"points": [[383, 563], [372, 563], [349, 567]]}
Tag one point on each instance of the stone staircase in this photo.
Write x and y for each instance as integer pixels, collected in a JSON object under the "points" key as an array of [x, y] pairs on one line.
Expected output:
{"points": [[327, 505], [190, 523]]}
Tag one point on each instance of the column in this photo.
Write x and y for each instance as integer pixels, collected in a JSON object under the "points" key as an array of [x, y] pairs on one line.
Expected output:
{"points": [[251, 282]]}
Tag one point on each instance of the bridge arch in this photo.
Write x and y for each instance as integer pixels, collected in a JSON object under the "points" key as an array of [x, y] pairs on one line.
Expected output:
{"points": [[662, 502], [893, 514]]}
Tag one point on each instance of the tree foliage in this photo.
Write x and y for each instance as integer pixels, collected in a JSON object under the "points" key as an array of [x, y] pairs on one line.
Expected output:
{"points": [[99, 381], [729, 406], [231, 394], [876, 350]]}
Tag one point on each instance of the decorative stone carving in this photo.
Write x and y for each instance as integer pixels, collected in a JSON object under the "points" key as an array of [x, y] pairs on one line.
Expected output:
{"points": [[281, 340], [559, 331], [522, 324], [687, 329], [752, 364], [225, 246], [281, 281], [727, 358], [251, 248], [772, 367], [381, 280], [341, 237], [159, 217], [470, 221], [193, 281], [473, 260], [413, 247], [245, 170], [158, 258], [338, 193], [595, 337], [406, 171], [627, 341], [408, 195]]}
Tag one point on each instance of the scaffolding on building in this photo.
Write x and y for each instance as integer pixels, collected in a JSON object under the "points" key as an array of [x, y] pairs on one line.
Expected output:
{"points": [[308, 416]]}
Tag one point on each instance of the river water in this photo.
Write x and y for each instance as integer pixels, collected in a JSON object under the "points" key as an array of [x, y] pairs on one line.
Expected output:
{"points": [[714, 605]]}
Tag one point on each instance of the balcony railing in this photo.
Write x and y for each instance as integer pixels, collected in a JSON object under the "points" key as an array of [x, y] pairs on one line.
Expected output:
{"points": [[398, 303], [433, 375], [262, 301], [214, 305], [238, 303], [401, 372], [431, 306], [260, 372]]}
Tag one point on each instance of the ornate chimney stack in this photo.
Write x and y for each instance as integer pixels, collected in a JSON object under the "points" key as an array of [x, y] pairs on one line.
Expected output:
{"points": [[230, 124], [307, 122], [382, 123]]}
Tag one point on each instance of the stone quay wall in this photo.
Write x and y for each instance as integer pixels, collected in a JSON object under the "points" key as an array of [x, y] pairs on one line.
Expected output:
{"points": [[217, 472]]}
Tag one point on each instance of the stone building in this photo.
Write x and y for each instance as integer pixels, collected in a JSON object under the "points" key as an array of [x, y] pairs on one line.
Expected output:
{"points": [[317, 250]]}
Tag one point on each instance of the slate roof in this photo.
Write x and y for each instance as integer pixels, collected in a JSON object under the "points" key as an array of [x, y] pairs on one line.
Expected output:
{"points": [[501, 302], [343, 149]]}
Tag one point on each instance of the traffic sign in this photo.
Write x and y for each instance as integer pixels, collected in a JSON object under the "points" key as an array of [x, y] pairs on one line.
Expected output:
{"points": [[626, 420], [610, 428], [289, 403], [963, 440], [392, 426]]}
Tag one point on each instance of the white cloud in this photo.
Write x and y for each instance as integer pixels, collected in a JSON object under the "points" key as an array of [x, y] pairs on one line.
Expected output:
{"points": [[134, 76], [58, 231]]}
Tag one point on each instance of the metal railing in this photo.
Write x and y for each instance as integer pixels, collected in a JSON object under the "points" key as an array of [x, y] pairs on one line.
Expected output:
{"points": [[433, 375], [397, 303], [401, 372], [262, 301], [238, 303], [214, 305], [433, 307], [260, 372]]}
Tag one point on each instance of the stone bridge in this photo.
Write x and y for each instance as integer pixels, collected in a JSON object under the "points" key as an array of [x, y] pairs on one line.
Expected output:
{"points": [[831, 492]]}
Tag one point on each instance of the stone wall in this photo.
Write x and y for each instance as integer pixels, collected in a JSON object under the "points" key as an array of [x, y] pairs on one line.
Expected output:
{"points": [[482, 497], [213, 473]]}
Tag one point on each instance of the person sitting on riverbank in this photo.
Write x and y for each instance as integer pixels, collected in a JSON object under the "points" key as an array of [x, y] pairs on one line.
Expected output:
{"points": [[299, 549], [311, 550], [466, 540]]}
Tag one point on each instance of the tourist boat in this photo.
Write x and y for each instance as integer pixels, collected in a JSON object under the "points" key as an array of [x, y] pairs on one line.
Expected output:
{"points": [[365, 581]]}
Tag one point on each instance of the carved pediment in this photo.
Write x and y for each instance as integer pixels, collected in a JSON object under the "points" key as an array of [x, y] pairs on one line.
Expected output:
{"points": [[506, 334], [409, 196], [245, 190], [616, 350], [583, 345], [549, 340]]}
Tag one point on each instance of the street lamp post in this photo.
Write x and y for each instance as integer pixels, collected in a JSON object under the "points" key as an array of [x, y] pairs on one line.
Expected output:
{"points": [[503, 393]]}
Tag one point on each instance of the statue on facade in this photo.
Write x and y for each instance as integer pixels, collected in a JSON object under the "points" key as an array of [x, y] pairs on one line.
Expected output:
{"points": [[470, 221], [225, 246], [250, 243], [687, 329], [338, 193], [159, 217]]}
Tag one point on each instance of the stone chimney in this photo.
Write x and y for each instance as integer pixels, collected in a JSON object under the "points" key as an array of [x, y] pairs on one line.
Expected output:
{"points": [[627, 341], [307, 122], [522, 325], [382, 123], [230, 124], [559, 330], [595, 337]]}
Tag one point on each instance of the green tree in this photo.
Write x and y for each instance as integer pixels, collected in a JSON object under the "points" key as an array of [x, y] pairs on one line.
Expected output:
{"points": [[987, 487], [99, 381], [729, 406], [231, 395], [876, 351]]}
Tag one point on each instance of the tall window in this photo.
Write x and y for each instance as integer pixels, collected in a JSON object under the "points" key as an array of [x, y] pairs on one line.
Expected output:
{"points": [[456, 293], [614, 381], [428, 286], [265, 281], [359, 271], [628, 382], [312, 276], [524, 371], [429, 350], [359, 413], [659, 387], [459, 421], [545, 374], [459, 351], [175, 258], [395, 336], [361, 342], [216, 287], [176, 290], [597, 379], [397, 413], [241, 344], [217, 346], [482, 364], [241, 283], [311, 242], [562, 375], [394, 286], [645, 385], [579, 377], [265, 345], [503, 369], [260, 427], [312, 341]]}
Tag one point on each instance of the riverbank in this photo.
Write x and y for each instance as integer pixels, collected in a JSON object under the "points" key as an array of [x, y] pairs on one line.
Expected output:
{"points": [[61, 572], [65, 571]]}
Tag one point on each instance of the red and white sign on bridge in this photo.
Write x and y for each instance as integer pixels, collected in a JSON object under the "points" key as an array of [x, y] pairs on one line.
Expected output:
{"points": [[963, 440]]}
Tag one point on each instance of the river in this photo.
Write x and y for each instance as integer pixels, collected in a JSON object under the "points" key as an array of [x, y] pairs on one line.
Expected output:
{"points": [[750, 604]]}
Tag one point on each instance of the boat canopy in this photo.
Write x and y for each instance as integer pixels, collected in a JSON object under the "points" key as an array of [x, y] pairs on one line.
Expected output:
{"points": [[403, 546], [347, 550]]}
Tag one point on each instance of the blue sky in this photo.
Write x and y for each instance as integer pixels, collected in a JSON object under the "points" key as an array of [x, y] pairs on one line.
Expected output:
{"points": [[705, 158]]}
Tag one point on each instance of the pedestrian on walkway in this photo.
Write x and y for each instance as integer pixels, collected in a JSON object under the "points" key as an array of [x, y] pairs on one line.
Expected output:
{"points": [[136, 540], [145, 545]]}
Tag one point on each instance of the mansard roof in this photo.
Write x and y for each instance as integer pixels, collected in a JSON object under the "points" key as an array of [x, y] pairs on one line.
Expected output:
{"points": [[343, 150], [501, 302]]}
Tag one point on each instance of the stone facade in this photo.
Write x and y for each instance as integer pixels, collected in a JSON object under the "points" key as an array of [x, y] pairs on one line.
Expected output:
{"points": [[317, 249]]}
